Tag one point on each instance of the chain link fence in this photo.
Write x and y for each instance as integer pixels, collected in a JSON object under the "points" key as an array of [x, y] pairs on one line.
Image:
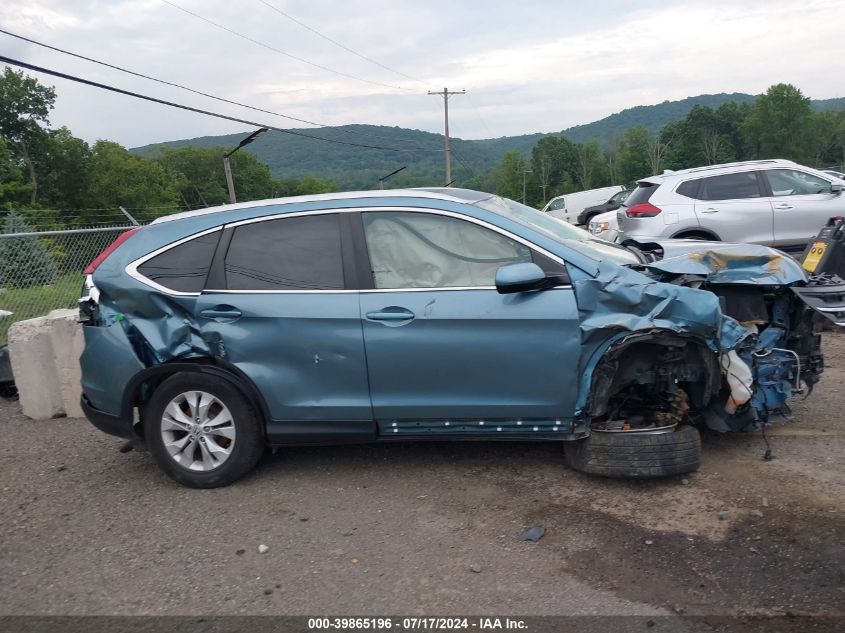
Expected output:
{"points": [[41, 271]]}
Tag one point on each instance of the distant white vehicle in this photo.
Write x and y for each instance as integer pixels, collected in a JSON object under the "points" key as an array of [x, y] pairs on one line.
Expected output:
{"points": [[834, 173], [568, 206], [605, 226]]}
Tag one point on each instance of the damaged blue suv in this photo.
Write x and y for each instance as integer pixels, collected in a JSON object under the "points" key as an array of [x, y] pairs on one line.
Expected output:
{"points": [[433, 314]]}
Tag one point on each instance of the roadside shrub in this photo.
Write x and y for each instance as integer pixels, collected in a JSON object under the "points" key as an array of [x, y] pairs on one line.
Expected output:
{"points": [[24, 261]]}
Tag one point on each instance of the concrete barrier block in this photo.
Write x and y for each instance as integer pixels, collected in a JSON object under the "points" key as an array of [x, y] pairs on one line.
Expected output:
{"points": [[34, 369], [45, 362], [68, 342]]}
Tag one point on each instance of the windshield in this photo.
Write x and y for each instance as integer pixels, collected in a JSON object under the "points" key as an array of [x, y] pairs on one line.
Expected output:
{"points": [[558, 230]]}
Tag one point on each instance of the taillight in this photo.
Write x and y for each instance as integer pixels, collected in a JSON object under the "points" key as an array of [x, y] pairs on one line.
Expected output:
{"points": [[99, 259], [642, 210]]}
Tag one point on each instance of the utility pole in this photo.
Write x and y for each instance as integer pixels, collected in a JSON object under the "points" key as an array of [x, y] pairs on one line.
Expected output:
{"points": [[445, 93], [230, 184], [227, 168]]}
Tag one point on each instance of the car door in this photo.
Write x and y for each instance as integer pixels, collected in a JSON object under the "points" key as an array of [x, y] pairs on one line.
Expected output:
{"points": [[281, 305], [445, 351], [735, 207], [802, 204]]}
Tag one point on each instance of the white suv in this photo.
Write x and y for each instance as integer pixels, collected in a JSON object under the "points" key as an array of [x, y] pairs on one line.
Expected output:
{"points": [[773, 202]]}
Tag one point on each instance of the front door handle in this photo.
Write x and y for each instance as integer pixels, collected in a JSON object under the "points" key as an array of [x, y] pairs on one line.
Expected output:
{"points": [[221, 313], [783, 206], [391, 313], [710, 210]]}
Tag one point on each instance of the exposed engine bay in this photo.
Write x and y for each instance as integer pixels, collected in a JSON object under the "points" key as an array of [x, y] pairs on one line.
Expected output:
{"points": [[769, 348]]}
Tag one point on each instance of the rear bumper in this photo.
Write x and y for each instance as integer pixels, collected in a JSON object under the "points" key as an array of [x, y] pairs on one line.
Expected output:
{"points": [[107, 422]]}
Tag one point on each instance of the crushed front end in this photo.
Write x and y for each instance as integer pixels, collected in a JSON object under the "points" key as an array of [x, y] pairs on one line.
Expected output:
{"points": [[777, 353], [715, 335]]}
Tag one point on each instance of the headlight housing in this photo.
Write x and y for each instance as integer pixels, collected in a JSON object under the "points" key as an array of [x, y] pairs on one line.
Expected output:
{"points": [[597, 228]]}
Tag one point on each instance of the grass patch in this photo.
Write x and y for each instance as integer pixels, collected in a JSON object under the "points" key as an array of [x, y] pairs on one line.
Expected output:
{"points": [[27, 303]]}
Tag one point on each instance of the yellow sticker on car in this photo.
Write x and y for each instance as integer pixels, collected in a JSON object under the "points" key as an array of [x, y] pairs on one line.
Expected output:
{"points": [[814, 256]]}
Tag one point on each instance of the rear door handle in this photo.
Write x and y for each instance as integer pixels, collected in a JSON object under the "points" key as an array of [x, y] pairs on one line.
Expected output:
{"points": [[391, 313], [221, 313], [710, 210], [783, 206]]}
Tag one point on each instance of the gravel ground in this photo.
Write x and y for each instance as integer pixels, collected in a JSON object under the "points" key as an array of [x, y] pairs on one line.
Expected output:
{"points": [[427, 528]]}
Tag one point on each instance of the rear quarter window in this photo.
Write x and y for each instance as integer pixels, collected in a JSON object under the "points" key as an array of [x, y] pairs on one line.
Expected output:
{"points": [[184, 267], [643, 192], [689, 189]]}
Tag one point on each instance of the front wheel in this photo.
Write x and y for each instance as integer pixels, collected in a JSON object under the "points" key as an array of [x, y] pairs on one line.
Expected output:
{"points": [[632, 455], [202, 431]]}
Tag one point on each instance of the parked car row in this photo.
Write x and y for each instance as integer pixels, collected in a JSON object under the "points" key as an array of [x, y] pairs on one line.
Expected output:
{"points": [[772, 202], [572, 207]]}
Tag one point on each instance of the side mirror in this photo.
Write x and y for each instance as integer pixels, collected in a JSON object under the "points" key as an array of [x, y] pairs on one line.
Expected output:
{"points": [[519, 278], [837, 188]]}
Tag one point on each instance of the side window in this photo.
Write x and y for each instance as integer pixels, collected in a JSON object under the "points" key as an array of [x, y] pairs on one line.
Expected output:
{"points": [[730, 187], [788, 182], [619, 197], [689, 188], [300, 253], [184, 267], [422, 250], [557, 204]]}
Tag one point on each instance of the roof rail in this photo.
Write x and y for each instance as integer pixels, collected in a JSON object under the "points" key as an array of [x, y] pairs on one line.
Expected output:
{"points": [[743, 163]]}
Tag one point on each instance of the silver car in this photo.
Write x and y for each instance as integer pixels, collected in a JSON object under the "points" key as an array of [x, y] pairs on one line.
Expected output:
{"points": [[773, 202]]}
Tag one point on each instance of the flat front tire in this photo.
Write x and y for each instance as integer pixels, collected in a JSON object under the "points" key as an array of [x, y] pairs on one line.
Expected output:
{"points": [[202, 431], [636, 455]]}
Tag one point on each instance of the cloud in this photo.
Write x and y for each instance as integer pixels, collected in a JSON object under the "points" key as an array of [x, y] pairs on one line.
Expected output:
{"points": [[532, 66]]}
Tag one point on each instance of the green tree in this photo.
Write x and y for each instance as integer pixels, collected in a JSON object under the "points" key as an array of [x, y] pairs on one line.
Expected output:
{"points": [[591, 165], [553, 163], [634, 152], [119, 178], [204, 181], [64, 163], [309, 185], [826, 137], [201, 169], [777, 125], [509, 175], [25, 104], [13, 187], [24, 261]]}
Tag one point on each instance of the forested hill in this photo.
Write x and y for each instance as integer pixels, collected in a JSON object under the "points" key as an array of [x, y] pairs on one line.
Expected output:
{"points": [[353, 167]]}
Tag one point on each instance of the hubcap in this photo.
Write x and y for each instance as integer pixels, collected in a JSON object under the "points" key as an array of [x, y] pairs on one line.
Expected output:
{"points": [[198, 431]]}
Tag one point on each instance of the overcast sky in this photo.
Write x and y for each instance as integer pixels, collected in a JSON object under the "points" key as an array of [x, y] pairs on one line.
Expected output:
{"points": [[528, 66]]}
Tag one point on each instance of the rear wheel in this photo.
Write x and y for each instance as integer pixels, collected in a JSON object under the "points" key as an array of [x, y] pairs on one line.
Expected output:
{"points": [[202, 431], [636, 455]]}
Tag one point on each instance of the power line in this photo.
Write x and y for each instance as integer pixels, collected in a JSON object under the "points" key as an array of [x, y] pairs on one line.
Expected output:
{"points": [[277, 50], [161, 81], [336, 43], [189, 89], [478, 114], [465, 165], [137, 95]]}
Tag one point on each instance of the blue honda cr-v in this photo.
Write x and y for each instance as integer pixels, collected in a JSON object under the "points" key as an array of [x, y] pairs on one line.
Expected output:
{"points": [[431, 314]]}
